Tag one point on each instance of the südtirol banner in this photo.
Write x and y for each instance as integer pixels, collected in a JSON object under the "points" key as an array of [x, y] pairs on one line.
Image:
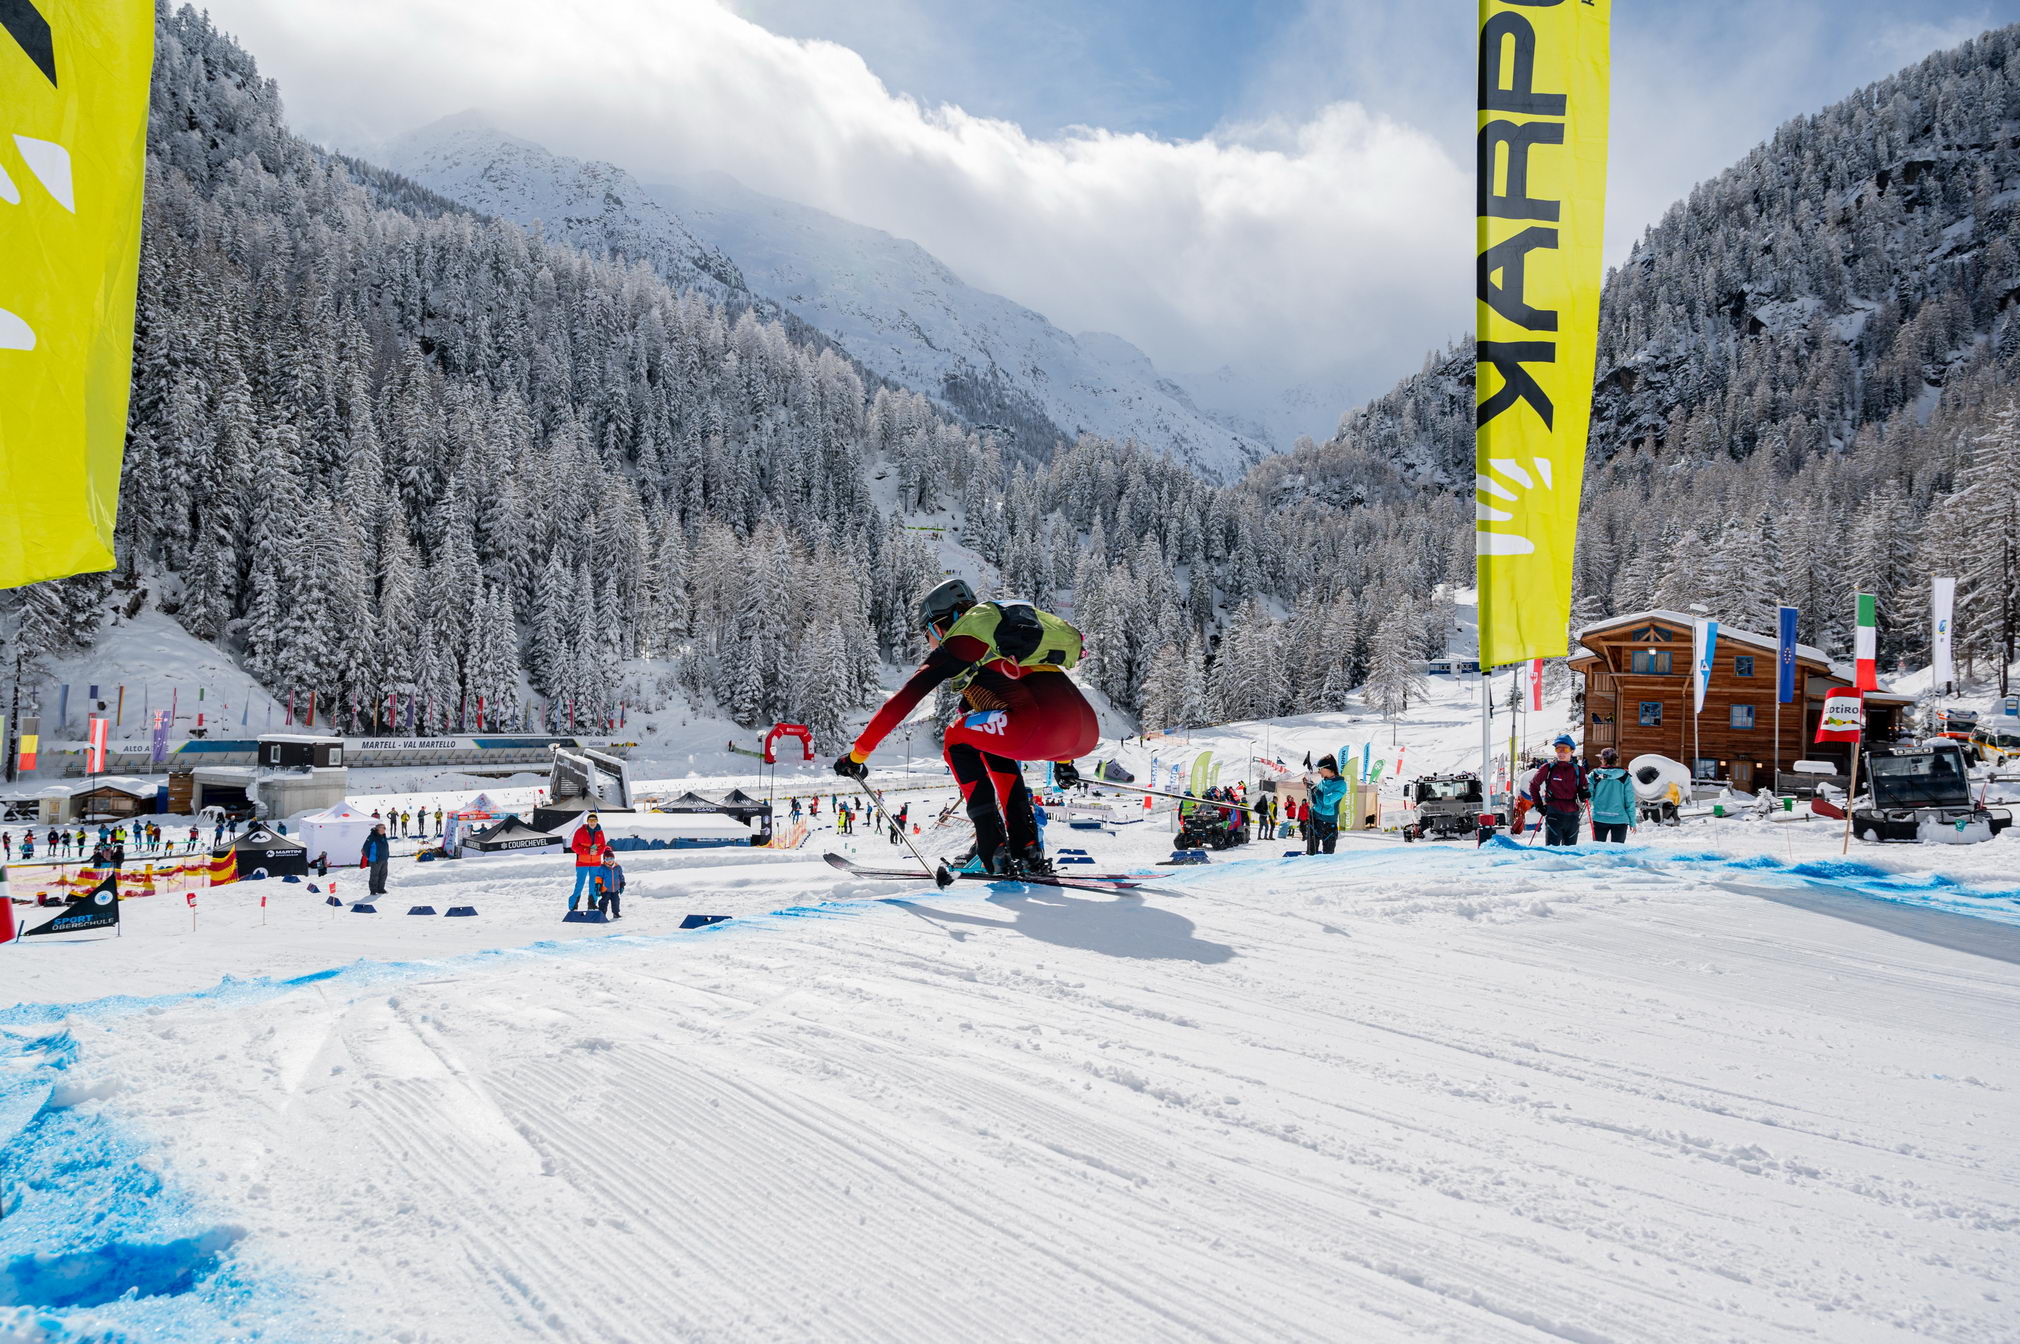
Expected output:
{"points": [[1541, 217], [74, 81]]}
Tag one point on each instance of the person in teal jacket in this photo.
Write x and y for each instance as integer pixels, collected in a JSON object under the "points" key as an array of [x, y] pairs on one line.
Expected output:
{"points": [[1613, 803], [1322, 832]]}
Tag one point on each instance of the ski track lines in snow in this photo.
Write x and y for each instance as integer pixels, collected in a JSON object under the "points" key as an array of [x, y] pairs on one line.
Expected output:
{"points": [[1397, 1094]]}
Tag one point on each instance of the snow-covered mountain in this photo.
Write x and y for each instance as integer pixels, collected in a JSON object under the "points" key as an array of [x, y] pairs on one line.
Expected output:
{"points": [[889, 302], [593, 205]]}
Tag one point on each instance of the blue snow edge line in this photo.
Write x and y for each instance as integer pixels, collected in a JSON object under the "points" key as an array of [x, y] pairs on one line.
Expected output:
{"points": [[1852, 877], [94, 1247], [1858, 877]]}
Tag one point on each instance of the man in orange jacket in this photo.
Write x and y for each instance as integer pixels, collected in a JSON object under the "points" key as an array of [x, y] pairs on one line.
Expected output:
{"points": [[590, 848]]}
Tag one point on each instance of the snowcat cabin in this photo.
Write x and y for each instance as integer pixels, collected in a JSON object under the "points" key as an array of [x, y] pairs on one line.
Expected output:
{"points": [[1637, 699], [1917, 777], [1442, 790]]}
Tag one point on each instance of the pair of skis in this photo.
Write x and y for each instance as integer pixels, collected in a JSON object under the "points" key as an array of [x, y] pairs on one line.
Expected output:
{"points": [[1109, 883]]}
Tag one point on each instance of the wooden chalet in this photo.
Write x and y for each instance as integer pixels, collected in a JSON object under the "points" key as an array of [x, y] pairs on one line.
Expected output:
{"points": [[1638, 699]]}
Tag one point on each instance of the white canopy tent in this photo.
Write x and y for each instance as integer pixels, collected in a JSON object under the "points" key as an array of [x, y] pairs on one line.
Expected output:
{"points": [[338, 832]]}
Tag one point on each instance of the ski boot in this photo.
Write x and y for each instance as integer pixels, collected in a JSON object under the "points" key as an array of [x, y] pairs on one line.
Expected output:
{"points": [[1029, 861]]}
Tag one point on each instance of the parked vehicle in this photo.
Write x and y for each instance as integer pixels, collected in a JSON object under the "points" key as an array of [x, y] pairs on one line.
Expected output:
{"points": [[1448, 807], [1922, 793]]}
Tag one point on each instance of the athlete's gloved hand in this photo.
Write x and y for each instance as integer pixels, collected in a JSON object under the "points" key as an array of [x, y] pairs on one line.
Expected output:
{"points": [[849, 767], [1065, 776]]}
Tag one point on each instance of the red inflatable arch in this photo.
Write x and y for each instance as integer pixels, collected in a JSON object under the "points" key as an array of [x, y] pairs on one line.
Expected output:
{"points": [[779, 730]]}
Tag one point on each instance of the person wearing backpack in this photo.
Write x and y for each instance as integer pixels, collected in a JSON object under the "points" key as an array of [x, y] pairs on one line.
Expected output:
{"points": [[1009, 661], [1560, 792], [1613, 802]]}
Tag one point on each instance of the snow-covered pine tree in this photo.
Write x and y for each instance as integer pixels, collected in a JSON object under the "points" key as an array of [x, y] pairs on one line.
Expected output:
{"points": [[1393, 676]]}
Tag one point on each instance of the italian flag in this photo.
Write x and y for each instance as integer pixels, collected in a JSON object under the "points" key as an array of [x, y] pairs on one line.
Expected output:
{"points": [[1866, 649]]}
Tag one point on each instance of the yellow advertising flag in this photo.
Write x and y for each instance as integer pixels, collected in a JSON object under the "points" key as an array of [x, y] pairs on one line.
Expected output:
{"points": [[1542, 213], [73, 157]]}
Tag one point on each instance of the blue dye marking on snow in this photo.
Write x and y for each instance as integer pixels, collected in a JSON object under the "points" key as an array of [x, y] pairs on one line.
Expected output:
{"points": [[1848, 876], [93, 1245]]}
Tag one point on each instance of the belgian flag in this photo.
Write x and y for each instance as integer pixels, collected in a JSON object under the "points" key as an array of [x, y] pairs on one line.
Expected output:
{"points": [[74, 78]]}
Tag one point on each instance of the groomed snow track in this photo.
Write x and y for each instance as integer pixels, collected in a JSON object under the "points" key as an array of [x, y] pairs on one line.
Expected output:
{"points": [[1401, 1094]]}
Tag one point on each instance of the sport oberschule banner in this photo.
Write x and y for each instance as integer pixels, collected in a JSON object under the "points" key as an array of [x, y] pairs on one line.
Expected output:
{"points": [[1541, 216], [74, 88]]}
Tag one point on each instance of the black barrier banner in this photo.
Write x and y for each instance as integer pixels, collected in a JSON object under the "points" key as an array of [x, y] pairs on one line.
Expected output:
{"points": [[100, 911]]}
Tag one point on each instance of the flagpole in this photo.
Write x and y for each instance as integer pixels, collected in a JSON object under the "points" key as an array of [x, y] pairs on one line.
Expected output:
{"points": [[1852, 793]]}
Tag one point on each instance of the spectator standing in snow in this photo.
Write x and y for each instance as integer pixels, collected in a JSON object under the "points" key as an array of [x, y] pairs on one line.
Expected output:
{"points": [[590, 848], [438, 822], [7, 844], [1322, 828], [1560, 791], [108, 856], [1613, 803], [376, 854]]}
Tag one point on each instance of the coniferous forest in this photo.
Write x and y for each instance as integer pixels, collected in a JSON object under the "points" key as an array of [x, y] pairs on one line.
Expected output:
{"points": [[382, 446]]}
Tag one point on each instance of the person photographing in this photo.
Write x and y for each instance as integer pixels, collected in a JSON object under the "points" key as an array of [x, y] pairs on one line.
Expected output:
{"points": [[1326, 788]]}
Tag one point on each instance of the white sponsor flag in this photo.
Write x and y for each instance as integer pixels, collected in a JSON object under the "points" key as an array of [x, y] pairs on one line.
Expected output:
{"points": [[1942, 601], [1704, 645]]}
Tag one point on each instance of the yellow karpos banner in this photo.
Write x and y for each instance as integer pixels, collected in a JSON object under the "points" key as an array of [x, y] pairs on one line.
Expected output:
{"points": [[74, 80], [1542, 213]]}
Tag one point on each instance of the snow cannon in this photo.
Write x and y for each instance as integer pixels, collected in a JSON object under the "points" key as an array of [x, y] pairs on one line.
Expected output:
{"points": [[1661, 784]]}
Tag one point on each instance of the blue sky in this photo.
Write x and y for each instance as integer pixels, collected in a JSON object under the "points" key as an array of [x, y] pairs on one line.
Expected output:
{"points": [[1277, 192]]}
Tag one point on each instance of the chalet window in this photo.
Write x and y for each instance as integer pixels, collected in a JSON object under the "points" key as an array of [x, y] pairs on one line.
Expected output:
{"points": [[1742, 716], [1651, 713], [1651, 662], [1742, 667], [1650, 634]]}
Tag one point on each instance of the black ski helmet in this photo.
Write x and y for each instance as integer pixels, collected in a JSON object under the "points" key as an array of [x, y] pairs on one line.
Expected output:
{"points": [[944, 605]]}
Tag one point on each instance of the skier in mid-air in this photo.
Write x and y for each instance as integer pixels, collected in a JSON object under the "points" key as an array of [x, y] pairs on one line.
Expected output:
{"points": [[1008, 659]]}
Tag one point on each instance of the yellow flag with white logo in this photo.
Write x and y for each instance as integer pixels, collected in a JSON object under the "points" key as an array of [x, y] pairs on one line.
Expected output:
{"points": [[74, 80], [1541, 215]]}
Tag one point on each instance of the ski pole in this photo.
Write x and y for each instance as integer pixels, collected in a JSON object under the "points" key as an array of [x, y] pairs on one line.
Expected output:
{"points": [[941, 877], [1133, 788]]}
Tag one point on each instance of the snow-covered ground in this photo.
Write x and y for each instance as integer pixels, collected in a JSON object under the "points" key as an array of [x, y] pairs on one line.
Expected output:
{"points": [[1403, 1093]]}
